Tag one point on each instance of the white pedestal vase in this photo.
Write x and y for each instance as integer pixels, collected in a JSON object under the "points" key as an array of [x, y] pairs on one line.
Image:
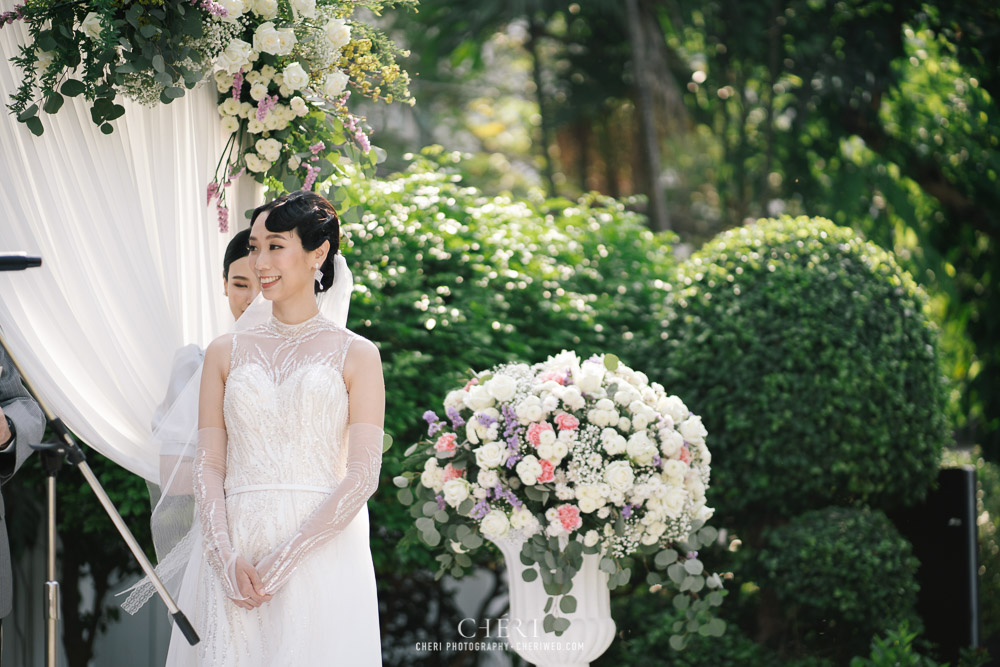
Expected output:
{"points": [[591, 628]]}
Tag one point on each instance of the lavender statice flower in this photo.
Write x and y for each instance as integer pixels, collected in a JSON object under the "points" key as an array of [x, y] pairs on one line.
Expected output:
{"points": [[455, 417], [485, 419], [213, 8], [657, 461], [440, 501], [627, 510], [480, 509], [435, 428], [430, 417]]}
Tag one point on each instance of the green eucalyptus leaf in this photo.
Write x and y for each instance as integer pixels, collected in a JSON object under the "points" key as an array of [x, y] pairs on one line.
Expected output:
{"points": [[568, 604], [53, 102], [28, 113], [405, 496], [677, 642], [35, 125], [665, 558], [694, 566], [72, 88], [529, 575]]}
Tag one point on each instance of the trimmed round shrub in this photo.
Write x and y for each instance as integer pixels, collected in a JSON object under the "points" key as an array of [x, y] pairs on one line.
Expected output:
{"points": [[808, 353], [841, 575]]}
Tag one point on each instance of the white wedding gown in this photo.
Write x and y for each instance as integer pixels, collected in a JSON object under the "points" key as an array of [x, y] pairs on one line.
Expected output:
{"points": [[297, 468]]}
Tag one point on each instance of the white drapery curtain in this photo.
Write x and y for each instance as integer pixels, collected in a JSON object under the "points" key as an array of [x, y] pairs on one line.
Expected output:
{"points": [[132, 256]]}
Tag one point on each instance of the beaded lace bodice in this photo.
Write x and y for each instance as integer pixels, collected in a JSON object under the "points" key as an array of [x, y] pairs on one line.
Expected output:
{"points": [[286, 405]]}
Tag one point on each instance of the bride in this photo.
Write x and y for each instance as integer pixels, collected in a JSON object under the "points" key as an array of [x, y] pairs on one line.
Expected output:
{"points": [[289, 451]]}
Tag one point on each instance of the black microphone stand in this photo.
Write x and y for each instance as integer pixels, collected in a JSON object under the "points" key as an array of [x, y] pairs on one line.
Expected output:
{"points": [[53, 455]]}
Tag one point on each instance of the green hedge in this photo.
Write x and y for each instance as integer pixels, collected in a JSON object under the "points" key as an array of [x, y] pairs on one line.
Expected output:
{"points": [[841, 576], [808, 354]]}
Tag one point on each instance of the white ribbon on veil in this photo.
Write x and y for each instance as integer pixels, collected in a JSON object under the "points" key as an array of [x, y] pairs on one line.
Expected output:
{"points": [[175, 528]]}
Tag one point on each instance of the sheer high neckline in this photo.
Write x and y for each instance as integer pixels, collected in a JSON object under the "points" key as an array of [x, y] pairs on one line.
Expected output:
{"points": [[292, 330]]}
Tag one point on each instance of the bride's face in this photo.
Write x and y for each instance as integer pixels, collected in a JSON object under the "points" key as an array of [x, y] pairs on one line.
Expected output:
{"points": [[278, 259]]}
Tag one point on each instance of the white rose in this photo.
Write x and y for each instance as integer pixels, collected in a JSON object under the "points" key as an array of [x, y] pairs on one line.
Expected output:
{"points": [[619, 476], [230, 124], [455, 491], [587, 505], [286, 41], [477, 398], [295, 77], [491, 455], [673, 407], [653, 532], [591, 538], [528, 469], [590, 377], [673, 472], [432, 478], [334, 85], [234, 9], [641, 449], [235, 56], [501, 387], [338, 33], [495, 524], [479, 493], [305, 8], [673, 502], [267, 39], [298, 106], [91, 26], [487, 478], [640, 422], [524, 521], [670, 443], [693, 430], [573, 399], [266, 9]]}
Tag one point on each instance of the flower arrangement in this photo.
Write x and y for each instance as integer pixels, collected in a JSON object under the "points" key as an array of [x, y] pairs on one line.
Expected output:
{"points": [[573, 457], [284, 70]]}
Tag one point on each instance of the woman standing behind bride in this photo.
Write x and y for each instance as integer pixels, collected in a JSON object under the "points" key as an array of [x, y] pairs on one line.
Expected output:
{"points": [[289, 451]]}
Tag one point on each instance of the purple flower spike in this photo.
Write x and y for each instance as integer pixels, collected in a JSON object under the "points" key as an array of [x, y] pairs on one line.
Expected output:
{"points": [[430, 417], [455, 417], [440, 501], [435, 428], [627, 510]]}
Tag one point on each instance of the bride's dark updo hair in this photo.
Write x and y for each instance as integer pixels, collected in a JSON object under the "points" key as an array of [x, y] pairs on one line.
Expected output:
{"points": [[312, 217]]}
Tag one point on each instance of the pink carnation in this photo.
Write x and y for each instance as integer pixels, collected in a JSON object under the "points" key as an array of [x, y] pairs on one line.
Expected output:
{"points": [[567, 422], [569, 517], [446, 443], [685, 454], [535, 432], [470, 383], [548, 471], [451, 472]]}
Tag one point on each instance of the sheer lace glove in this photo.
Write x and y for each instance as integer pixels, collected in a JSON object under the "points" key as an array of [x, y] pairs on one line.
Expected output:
{"points": [[210, 496], [364, 461]]}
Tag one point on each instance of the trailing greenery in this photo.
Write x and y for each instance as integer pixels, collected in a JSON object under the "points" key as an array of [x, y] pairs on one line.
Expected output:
{"points": [[808, 353], [840, 575]]}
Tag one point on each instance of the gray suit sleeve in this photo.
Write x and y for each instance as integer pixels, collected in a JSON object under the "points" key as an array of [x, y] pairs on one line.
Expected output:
{"points": [[26, 415]]}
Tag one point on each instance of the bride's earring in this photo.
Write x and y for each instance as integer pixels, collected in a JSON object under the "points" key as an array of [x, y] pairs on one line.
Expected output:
{"points": [[318, 276]]}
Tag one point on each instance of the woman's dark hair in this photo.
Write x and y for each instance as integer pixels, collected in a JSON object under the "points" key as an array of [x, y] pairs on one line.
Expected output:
{"points": [[238, 248], [312, 217]]}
